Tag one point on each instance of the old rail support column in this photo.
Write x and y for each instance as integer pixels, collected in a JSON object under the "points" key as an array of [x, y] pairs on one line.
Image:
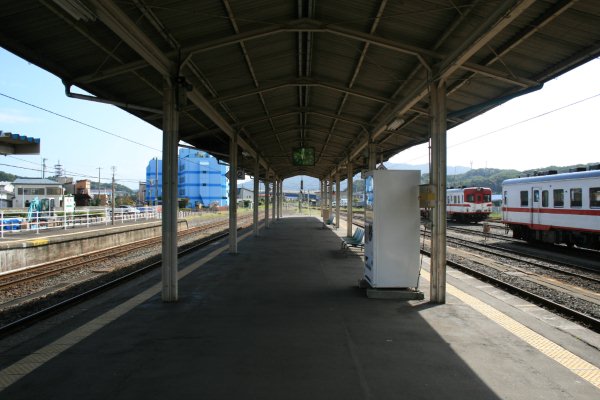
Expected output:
{"points": [[330, 197], [280, 203], [275, 188], [349, 195], [438, 179], [169, 190], [321, 185], [233, 151], [372, 155], [267, 200], [255, 197], [337, 200]]}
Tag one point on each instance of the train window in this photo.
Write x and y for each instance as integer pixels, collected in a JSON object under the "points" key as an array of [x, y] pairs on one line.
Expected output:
{"points": [[559, 197], [524, 198], [595, 197], [505, 198], [544, 198], [487, 198], [576, 195], [536, 196], [470, 198]]}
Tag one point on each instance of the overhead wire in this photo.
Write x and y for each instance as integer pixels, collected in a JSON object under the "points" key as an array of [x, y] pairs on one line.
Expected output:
{"points": [[517, 123], [95, 128]]}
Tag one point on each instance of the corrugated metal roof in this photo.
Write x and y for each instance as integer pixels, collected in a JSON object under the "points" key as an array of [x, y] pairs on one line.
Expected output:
{"points": [[14, 143], [15, 138], [319, 73], [35, 181]]}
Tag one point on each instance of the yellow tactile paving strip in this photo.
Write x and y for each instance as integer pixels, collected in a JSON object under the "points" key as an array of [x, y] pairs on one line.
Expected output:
{"points": [[28, 364], [575, 364]]}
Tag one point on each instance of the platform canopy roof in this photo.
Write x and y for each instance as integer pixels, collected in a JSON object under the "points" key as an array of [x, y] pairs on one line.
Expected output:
{"points": [[14, 143], [326, 74]]}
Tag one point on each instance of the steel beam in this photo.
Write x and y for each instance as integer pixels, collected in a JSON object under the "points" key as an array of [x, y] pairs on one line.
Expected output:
{"points": [[126, 29]]}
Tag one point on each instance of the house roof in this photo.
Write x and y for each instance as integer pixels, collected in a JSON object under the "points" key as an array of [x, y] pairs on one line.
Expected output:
{"points": [[332, 75], [35, 181]]}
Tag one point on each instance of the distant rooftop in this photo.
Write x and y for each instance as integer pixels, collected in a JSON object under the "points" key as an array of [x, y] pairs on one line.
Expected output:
{"points": [[35, 181]]}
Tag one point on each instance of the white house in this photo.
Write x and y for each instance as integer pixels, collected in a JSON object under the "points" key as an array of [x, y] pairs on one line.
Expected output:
{"points": [[26, 189]]}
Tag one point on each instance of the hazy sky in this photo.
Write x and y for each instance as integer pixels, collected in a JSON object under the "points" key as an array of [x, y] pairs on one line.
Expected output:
{"points": [[567, 136]]}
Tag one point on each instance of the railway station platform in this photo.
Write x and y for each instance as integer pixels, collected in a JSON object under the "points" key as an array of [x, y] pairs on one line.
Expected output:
{"points": [[284, 319]]}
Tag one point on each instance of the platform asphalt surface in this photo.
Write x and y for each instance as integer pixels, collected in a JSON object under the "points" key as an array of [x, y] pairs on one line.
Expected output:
{"points": [[282, 319]]}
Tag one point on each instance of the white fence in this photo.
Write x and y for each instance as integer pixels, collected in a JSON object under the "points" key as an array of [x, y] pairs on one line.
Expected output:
{"points": [[16, 221]]}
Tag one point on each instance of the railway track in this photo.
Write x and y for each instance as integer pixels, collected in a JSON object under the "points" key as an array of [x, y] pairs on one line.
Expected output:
{"points": [[592, 322], [568, 292], [559, 286], [31, 312], [27, 275], [547, 263]]}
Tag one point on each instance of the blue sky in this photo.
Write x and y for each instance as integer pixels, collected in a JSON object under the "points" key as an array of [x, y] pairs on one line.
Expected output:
{"points": [[498, 139]]}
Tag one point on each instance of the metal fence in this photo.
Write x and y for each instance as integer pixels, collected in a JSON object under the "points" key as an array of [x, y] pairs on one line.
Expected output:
{"points": [[19, 220]]}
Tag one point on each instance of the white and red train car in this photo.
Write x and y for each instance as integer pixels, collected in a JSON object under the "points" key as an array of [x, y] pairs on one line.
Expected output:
{"points": [[555, 208], [472, 204]]}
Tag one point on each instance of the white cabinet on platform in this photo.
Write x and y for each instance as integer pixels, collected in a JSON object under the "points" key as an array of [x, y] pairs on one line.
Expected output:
{"points": [[392, 228]]}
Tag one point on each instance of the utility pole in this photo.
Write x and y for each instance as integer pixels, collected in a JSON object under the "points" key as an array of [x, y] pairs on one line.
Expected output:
{"points": [[113, 195], [99, 168], [44, 167]]}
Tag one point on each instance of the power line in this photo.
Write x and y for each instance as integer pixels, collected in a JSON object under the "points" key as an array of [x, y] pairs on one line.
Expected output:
{"points": [[79, 122], [527, 119], [94, 127], [518, 123]]}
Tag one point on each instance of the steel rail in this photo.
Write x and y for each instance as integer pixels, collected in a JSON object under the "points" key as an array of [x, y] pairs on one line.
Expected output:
{"points": [[55, 308], [586, 320]]}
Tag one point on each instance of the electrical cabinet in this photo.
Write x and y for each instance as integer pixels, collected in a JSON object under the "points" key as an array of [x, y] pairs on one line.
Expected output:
{"points": [[392, 228]]}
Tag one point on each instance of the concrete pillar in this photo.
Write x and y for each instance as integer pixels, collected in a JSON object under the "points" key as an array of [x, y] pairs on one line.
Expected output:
{"points": [[169, 192], [255, 196], [267, 199], [337, 200], [349, 195], [438, 179], [233, 151]]}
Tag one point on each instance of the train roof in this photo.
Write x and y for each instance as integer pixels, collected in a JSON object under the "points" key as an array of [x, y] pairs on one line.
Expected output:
{"points": [[555, 177], [469, 188]]}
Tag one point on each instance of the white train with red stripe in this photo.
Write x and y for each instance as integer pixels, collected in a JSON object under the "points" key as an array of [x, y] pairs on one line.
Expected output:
{"points": [[554, 208], [471, 204]]}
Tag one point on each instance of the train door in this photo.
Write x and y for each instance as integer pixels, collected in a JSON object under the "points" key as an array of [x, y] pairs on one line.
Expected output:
{"points": [[536, 201]]}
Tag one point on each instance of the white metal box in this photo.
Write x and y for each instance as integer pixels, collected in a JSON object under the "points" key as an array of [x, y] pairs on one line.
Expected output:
{"points": [[392, 228]]}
